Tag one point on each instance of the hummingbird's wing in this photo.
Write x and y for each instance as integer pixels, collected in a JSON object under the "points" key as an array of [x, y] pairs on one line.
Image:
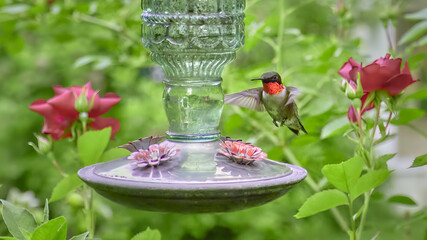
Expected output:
{"points": [[250, 98], [293, 92]]}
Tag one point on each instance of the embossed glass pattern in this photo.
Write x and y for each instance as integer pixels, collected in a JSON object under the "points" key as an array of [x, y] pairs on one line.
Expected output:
{"points": [[193, 40]]}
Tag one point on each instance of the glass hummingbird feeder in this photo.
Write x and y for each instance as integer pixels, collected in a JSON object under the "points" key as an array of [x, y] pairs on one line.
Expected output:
{"points": [[192, 40]]}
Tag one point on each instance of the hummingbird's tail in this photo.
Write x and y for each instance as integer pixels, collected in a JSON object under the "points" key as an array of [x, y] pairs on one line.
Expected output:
{"points": [[301, 127]]}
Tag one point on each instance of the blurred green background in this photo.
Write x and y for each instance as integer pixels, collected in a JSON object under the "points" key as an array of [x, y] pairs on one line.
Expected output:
{"points": [[69, 42]]}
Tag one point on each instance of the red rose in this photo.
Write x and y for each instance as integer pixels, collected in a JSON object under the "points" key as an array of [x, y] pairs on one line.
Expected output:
{"points": [[385, 74], [60, 112], [349, 71], [382, 74]]}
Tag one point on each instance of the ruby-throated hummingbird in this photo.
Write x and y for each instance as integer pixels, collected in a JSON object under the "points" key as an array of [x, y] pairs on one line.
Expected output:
{"points": [[273, 97]]}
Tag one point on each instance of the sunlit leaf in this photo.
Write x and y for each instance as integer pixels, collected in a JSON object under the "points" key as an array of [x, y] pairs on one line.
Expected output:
{"points": [[402, 200], [65, 186], [381, 162], [421, 42], [419, 161], [322, 201], [14, 9], [415, 60], [84, 61], [420, 15], [415, 32], [82, 236], [113, 153], [148, 234], [55, 229], [334, 127], [46, 211], [92, 144], [17, 220], [368, 181], [232, 122], [418, 95], [344, 175], [408, 115]]}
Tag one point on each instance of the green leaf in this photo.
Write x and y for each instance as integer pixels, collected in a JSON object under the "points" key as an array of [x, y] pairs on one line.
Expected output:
{"points": [[82, 236], [232, 122], [408, 115], [148, 234], [345, 174], [322, 201], [15, 9], [17, 220], [8, 238], [55, 229], [420, 15], [84, 61], [421, 42], [402, 200], [419, 95], [415, 60], [65, 186], [92, 144], [415, 32], [334, 127], [113, 153], [368, 181], [46, 211], [419, 161], [381, 162]]}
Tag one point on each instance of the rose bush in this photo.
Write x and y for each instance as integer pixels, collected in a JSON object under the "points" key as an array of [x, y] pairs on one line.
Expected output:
{"points": [[383, 74], [60, 111]]}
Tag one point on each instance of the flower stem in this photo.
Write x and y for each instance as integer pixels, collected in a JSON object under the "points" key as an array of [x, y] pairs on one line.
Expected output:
{"points": [[377, 118], [367, 197], [52, 158], [89, 211], [352, 222], [388, 120]]}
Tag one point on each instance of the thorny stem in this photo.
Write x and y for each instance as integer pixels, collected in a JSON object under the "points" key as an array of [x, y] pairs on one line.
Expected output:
{"points": [[52, 158], [292, 159]]}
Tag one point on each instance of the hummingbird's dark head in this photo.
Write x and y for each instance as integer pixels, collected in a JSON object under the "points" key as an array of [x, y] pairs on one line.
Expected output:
{"points": [[270, 77]]}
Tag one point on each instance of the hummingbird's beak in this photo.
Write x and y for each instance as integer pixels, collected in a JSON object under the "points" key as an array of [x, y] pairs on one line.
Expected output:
{"points": [[254, 79]]}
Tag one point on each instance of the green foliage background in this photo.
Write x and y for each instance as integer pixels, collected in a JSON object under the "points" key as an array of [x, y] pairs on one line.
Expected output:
{"points": [[71, 42]]}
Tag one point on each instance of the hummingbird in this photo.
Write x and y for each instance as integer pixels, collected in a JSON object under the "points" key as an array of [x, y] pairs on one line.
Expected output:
{"points": [[273, 97]]}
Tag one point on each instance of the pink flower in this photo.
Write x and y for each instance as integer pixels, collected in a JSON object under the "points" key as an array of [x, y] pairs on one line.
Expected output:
{"points": [[349, 71], [240, 152], [154, 155], [60, 111], [383, 74]]}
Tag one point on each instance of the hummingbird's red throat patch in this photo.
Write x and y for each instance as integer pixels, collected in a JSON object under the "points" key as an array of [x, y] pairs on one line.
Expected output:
{"points": [[273, 88]]}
